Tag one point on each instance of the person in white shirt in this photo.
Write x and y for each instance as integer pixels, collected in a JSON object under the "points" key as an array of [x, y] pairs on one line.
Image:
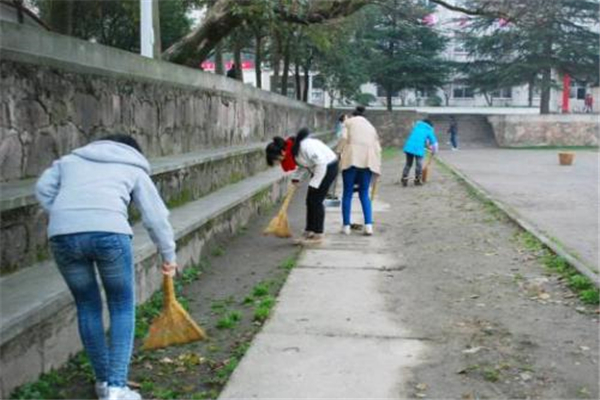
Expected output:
{"points": [[315, 157]]}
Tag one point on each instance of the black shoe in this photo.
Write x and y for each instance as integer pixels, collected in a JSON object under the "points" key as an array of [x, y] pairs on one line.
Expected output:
{"points": [[418, 181], [404, 182]]}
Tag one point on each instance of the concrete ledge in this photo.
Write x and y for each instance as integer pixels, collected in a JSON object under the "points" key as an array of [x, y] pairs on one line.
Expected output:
{"points": [[545, 130], [179, 178], [38, 326], [514, 216], [27, 44]]}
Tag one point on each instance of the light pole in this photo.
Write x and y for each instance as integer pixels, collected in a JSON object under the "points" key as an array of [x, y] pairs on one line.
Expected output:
{"points": [[149, 29]]}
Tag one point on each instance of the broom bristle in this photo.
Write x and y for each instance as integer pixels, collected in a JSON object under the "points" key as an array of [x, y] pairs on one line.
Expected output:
{"points": [[279, 226], [425, 174], [174, 325]]}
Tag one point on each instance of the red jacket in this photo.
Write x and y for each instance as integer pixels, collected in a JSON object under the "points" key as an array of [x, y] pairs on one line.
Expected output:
{"points": [[288, 163]]}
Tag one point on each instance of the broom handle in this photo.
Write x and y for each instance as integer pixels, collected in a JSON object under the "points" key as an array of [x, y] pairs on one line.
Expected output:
{"points": [[168, 289], [375, 188], [288, 198]]}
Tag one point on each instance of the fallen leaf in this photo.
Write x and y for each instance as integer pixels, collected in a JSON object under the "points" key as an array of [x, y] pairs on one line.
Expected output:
{"points": [[166, 360], [133, 384], [421, 386], [544, 296], [525, 376], [584, 348], [148, 365], [421, 395], [474, 296]]}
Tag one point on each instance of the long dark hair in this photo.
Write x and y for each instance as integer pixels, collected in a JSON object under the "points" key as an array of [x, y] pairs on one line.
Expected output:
{"points": [[274, 149], [124, 139], [300, 136]]}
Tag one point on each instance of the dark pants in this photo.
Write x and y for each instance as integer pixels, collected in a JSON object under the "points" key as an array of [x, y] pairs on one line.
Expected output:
{"points": [[409, 163], [453, 139], [315, 210]]}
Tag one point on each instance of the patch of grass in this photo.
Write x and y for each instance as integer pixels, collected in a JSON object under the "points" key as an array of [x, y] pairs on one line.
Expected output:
{"points": [[566, 148], [263, 308], [491, 374], [218, 251], [230, 320], [260, 290], [50, 384], [190, 274], [289, 263], [579, 283], [389, 153], [166, 394]]}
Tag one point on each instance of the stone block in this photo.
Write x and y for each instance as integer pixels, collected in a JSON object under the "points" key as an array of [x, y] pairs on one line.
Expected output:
{"points": [[11, 155], [21, 360], [41, 152], [30, 115], [86, 113], [59, 338]]}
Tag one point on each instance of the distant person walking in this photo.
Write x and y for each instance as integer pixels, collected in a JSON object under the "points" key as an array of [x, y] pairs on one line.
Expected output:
{"points": [[86, 194], [232, 72], [453, 131], [414, 148], [339, 125], [360, 158], [588, 103]]}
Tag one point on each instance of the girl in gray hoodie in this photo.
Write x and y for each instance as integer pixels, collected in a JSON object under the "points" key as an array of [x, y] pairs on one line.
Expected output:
{"points": [[86, 195]]}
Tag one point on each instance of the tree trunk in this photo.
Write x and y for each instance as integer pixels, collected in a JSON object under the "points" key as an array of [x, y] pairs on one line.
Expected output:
{"points": [[219, 66], [258, 60], [286, 67], [298, 80], [530, 90], [224, 16], [305, 88], [545, 95], [61, 16], [388, 98]]}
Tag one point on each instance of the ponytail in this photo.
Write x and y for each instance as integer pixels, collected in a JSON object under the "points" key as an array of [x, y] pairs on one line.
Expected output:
{"points": [[300, 136]]}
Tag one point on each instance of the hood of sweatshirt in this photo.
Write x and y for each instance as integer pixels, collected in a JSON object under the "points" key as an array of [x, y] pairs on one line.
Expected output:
{"points": [[107, 151]]}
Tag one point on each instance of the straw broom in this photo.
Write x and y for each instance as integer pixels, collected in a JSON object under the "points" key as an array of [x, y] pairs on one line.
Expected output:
{"points": [[279, 226], [425, 173], [174, 325]]}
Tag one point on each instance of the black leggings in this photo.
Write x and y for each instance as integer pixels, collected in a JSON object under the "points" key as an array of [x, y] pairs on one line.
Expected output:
{"points": [[409, 162], [315, 210]]}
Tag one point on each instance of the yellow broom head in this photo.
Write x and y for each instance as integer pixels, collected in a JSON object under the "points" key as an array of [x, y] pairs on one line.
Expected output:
{"points": [[425, 174], [173, 325], [280, 226]]}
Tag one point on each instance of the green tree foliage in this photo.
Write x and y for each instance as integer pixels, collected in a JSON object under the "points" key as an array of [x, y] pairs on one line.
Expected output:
{"points": [[115, 23], [558, 35], [402, 52]]}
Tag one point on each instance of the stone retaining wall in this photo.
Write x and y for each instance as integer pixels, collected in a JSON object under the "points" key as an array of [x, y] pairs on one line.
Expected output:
{"points": [[393, 127], [59, 93], [545, 130]]}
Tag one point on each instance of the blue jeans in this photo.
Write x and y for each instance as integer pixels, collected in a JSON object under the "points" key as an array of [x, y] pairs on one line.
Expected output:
{"points": [[76, 255], [362, 176], [453, 139]]}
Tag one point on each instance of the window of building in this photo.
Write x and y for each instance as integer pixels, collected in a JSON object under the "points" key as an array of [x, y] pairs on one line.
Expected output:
{"points": [[505, 93], [578, 90], [462, 92], [318, 82]]}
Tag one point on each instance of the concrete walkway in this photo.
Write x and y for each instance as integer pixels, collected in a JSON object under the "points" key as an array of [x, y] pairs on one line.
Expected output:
{"points": [[562, 201], [331, 335]]}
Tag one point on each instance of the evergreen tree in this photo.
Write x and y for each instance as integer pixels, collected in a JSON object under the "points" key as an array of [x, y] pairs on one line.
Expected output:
{"points": [[561, 36], [403, 52]]}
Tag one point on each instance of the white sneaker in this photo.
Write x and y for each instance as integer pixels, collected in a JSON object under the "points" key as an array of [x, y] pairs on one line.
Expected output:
{"points": [[102, 390], [368, 229], [346, 230], [122, 393]]}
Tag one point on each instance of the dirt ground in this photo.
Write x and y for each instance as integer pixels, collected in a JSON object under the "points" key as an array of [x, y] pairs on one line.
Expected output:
{"points": [[497, 323]]}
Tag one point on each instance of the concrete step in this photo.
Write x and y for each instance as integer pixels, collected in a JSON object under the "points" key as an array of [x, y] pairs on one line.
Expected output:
{"points": [[180, 179], [38, 329]]}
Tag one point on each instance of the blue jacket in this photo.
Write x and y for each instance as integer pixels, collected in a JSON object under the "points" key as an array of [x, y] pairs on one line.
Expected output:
{"points": [[421, 133], [89, 191]]}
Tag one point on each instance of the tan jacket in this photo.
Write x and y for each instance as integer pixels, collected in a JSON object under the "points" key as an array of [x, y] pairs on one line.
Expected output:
{"points": [[359, 145]]}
